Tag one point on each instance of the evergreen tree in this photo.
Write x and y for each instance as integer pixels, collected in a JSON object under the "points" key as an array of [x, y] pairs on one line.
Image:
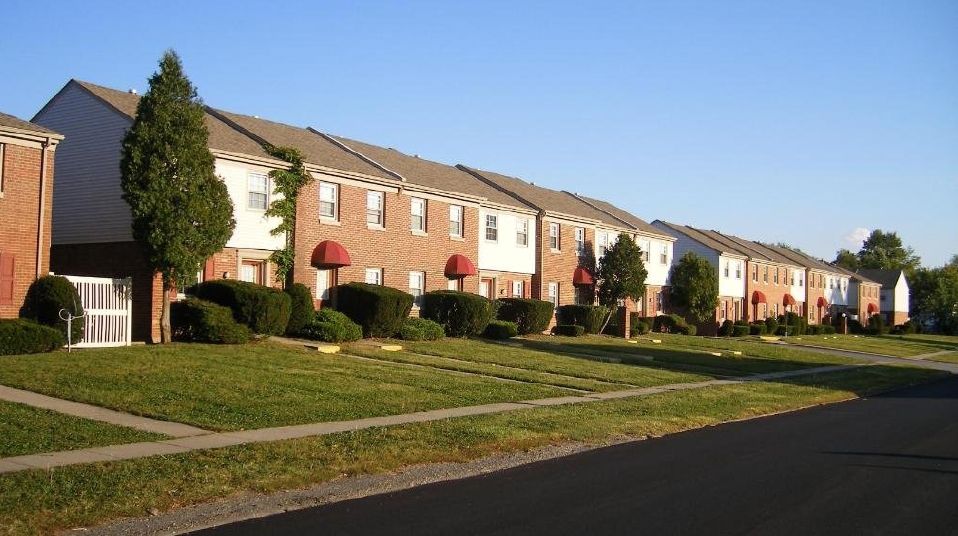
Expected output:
{"points": [[181, 210], [621, 275], [695, 286]]}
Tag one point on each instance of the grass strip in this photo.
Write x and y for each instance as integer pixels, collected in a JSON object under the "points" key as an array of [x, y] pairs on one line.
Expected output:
{"points": [[28, 430], [34, 502]]}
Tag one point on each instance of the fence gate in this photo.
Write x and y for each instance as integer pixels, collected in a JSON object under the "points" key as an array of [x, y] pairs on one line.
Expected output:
{"points": [[107, 307]]}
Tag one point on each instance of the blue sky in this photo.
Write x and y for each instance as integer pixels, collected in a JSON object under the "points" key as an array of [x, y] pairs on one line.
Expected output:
{"points": [[800, 122]]}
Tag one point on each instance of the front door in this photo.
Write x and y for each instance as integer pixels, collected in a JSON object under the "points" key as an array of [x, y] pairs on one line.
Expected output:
{"points": [[252, 272], [486, 286]]}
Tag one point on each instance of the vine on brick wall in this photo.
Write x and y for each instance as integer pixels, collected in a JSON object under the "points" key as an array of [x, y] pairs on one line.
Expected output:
{"points": [[287, 182]]}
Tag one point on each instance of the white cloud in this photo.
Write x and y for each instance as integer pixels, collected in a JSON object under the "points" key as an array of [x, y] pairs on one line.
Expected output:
{"points": [[855, 238]]}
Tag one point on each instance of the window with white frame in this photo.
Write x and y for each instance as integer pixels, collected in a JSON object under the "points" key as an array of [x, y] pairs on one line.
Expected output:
{"points": [[664, 254], [417, 285], [603, 241], [658, 301], [738, 270], [258, 191], [554, 236], [755, 273], [791, 276], [844, 284], [801, 279], [727, 267], [646, 248], [329, 200], [322, 284], [579, 240], [518, 290], [765, 274], [831, 283], [374, 276], [455, 221], [417, 212], [775, 276], [554, 294], [453, 284], [522, 232], [492, 227], [374, 208]]}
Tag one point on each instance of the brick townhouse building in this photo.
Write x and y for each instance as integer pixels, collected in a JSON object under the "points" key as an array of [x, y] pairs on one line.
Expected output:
{"points": [[818, 276], [895, 294], [26, 202], [864, 296]]}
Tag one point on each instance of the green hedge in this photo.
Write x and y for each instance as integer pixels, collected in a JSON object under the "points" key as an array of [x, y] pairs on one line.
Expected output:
{"points": [[45, 297], [738, 330], [196, 320], [876, 325], [590, 317], [530, 316], [828, 330], [420, 329], [329, 325], [379, 310], [771, 325], [262, 309], [672, 324], [22, 336], [500, 329], [570, 330], [758, 328], [813, 330], [459, 313], [301, 310]]}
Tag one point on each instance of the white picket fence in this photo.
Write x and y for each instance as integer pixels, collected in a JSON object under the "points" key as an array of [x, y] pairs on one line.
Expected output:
{"points": [[108, 307]]}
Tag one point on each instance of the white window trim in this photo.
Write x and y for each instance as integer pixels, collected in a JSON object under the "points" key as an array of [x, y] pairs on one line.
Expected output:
{"points": [[371, 194], [250, 192], [519, 286], [522, 230], [413, 202], [553, 293], [494, 218], [334, 202], [378, 272], [553, 226], [579, 240], [422, 287], [459, 227]]}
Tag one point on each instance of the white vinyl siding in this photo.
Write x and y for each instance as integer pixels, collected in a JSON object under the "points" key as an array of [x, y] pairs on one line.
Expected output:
{"points": [[455, 221], [374, 276], [374, 209], [329, 200], [257, 186], [417, 214]]}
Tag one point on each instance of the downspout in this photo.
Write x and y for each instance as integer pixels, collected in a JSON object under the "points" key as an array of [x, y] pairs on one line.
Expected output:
{"points": [[43, 183]]}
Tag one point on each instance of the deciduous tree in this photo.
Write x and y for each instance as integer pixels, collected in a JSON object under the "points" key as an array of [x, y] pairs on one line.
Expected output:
{"points": [[695, 286], [621, 274]]}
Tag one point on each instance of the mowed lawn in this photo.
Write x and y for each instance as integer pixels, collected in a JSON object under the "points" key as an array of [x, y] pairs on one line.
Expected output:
{"points": [[28, 430], [251, 386], [892, 345]]}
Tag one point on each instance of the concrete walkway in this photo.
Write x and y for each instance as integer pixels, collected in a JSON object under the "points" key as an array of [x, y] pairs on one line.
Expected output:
{"points": [[96, 413], [191, 442]]}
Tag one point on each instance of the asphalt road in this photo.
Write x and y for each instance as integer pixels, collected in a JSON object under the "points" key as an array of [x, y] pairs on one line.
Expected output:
{"points": [[883, 465]]}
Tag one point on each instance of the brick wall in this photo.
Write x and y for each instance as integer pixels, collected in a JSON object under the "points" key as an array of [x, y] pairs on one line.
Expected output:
{"points": [[395, 249], [774, 293], [814, 291], [19, 207]]}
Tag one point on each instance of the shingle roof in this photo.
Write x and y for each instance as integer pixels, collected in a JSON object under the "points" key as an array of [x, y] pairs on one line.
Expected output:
{"points": [[544, 198], [853, 275], [887, 278], [430, 174], [637, 223], [807, 260], [709, 239], [10, 121], [222, 136]]}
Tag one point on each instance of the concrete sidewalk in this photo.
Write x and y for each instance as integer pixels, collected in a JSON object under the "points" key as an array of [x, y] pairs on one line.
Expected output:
{"points": [[195, 441]]}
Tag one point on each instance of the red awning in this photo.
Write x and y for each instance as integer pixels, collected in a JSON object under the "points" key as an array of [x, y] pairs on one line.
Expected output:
{"points": [[759, 297], [872, 308], [459, 266], [329, 254], [822, 302], [788, 300], [582, 277]]}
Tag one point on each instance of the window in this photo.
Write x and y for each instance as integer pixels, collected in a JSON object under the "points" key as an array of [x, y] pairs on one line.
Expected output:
{"points": [[329, 200], [646, 250], [258, 187], [726, 269], [723, 310], [831, 283], [801, 279], [492, 227], [554, 236], [765, 273], [554, 294], [253, 271], [775, 276], [603, 240], [454, 284], [738, 270], [658, 301], [417, 284], [821, 282], [775, 309], [455, 221], [844, 285], [755, 273], [522, 233], [374, 209], [322, 284], [579, 240], [664, 255], [374, 276], [518, 289], [7, 278], [791, 275], [417, 211], [811, 314]]}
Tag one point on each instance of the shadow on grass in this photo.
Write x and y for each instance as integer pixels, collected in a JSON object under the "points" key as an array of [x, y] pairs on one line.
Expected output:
{"points": [[941, 345]]}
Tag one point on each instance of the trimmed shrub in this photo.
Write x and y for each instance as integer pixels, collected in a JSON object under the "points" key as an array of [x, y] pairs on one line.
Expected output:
{"points": [[196, 320], [639, 328], [854, 326], [876, 325], [530, 316], [725, 329], [500, 329], [301, 310], [459, 313], [329, 325], [908, 328], [45, 297], [828, 330], [739, 330], [570, 330], [590, 317], [813, 330], [262, 309], [672, 324], [22, 336], [771, 325], [420, 329], [758, 328], [379, 310]]}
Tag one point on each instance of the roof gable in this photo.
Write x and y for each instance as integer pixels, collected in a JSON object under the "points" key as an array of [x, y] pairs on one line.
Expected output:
{"points": [[11, 122]]}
